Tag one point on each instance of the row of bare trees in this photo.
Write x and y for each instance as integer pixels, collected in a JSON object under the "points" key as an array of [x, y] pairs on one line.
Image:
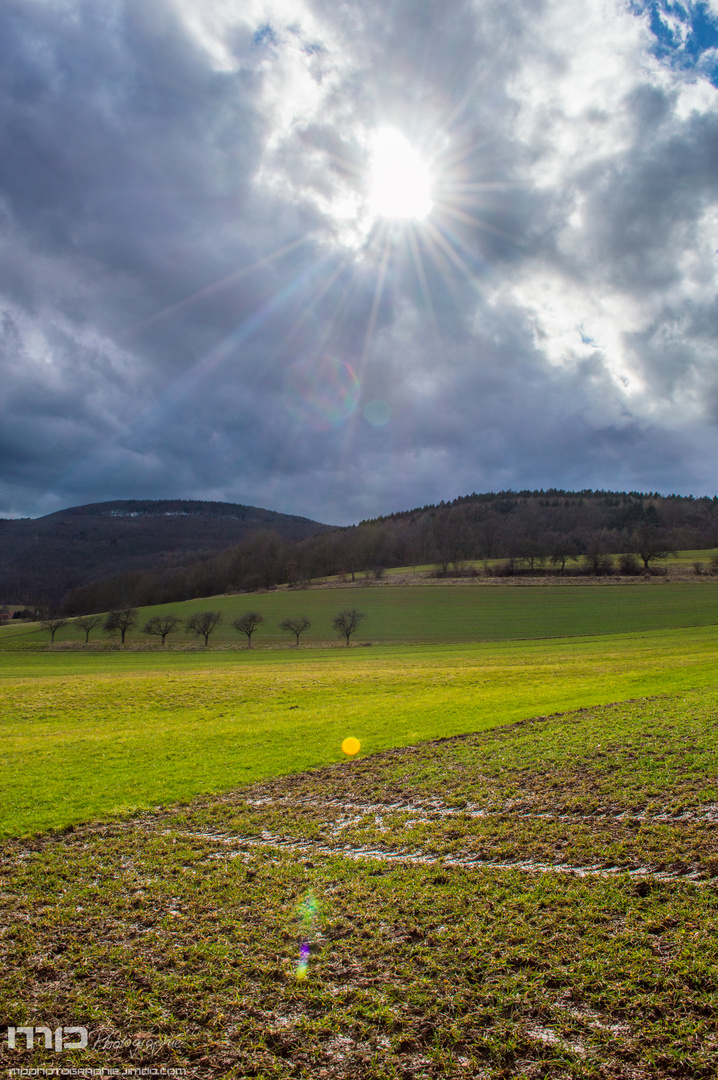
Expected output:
{"points": [[201, 623]]}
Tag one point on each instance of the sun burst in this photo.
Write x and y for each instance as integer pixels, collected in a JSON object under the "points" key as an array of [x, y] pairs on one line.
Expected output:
{"points": [[399, 180]]}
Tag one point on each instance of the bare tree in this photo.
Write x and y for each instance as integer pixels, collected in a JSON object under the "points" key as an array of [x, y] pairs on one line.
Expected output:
{"points": [[450, 536], [247, 624], [120, 621], [532, 541], [628, 564], [649, 542], [295, 626], [53, 625], [511, 538], [162, 625], [202, 623], [563, 549], [533, 553], [596, 559], [347, 622], [87, 623]]}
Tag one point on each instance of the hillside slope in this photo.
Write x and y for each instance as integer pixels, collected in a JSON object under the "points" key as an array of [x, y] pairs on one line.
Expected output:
{"points": [[42, 558]]}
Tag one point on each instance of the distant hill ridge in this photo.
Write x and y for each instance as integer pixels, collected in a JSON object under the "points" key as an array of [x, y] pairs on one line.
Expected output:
{"points": [[172, 508], [42, 559]]}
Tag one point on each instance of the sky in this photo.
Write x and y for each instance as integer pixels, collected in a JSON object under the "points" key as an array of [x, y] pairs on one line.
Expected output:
{"points": [[339, 258]]}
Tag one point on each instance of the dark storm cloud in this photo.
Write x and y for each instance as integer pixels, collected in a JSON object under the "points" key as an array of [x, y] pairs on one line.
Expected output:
{"points": [[647, 203], [181, 211]]}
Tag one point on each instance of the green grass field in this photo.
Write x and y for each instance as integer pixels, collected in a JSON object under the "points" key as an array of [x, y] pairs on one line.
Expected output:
{"points": [[682, 559], [688, 558], [518, 877], [88, 735], [438, 612]]}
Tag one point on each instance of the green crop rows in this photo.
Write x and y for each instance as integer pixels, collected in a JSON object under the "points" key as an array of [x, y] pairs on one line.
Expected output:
{"points": [[437, 612]]}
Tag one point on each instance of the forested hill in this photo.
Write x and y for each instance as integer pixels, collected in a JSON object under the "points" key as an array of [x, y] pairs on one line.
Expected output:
{"points": [[614, 509], [546, 528], [492, 522], [530, 531], [42, 559]]}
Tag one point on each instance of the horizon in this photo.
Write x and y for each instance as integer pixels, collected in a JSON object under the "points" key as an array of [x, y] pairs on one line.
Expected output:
{"points": [[519, 493]]}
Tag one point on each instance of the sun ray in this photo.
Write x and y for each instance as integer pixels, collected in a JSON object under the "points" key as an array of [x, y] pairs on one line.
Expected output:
{"points": [[317, 297], [230, 343], [418, 265], [461, 186], [187, 383], [294, 437], [378, 290], [341, 307], [441, 242], [346, 448], [470, 219], [213, 287]]}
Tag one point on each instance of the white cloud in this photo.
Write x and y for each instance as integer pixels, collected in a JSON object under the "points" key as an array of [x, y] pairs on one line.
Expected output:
{"points": [[696, 96]]}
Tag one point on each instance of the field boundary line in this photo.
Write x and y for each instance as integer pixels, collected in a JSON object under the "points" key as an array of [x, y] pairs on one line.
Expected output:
{"points": [[709, 815], [312, 847]]}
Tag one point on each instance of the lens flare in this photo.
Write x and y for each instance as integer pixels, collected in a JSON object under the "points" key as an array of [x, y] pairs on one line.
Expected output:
{"points": [[303, 962], [307, 913], [377, 413], [321, 392]]}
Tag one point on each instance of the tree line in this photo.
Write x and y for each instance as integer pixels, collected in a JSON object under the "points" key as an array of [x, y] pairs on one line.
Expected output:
{"points": [[546, 532], [202, 624]]}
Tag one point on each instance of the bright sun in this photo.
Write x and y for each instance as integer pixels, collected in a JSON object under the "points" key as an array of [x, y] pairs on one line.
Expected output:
{"points": [[399, 181]]}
